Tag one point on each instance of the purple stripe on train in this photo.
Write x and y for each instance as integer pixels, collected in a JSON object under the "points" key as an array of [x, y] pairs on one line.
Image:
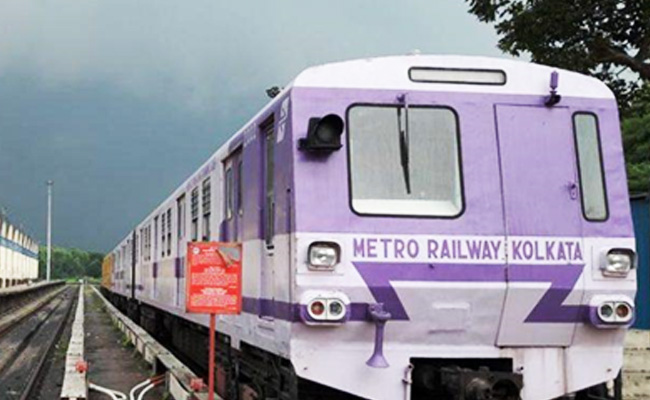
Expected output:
{"points": [[379, 275], [295, 312]]}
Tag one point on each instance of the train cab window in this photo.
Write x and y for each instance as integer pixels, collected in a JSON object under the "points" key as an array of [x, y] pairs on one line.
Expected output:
{"points": [[404, 161], [194, 209], [590, 166], [206, 209]]}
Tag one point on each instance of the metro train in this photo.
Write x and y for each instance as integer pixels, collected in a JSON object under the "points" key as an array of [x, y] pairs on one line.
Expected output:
{"points": [[413, 227], [18, 255]]}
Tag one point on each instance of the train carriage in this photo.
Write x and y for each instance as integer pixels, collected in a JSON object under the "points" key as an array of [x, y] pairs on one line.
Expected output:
{"points": [[18, 255], [413, 227]]}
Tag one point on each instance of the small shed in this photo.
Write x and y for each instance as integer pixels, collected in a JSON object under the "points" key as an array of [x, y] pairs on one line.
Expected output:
{"points": [[641, 217]]}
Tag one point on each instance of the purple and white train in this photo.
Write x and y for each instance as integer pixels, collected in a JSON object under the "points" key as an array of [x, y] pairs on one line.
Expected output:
{"points": [[413, 227]]}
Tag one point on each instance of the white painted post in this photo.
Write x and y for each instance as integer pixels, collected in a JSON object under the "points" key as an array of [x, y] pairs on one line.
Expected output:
{"points": [[49, 229]]}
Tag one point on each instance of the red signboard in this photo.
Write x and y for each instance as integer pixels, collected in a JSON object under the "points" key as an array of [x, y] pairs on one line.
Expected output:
{"points": [[213, 278]]}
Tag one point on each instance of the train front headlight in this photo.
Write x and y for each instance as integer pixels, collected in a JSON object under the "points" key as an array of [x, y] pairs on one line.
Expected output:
{"points": [[325, 308], [611, 311], [323, 255], [618, 263]]}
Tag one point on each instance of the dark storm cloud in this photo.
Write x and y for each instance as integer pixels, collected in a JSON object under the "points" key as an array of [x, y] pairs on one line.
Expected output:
{"points": [[118, 101]]}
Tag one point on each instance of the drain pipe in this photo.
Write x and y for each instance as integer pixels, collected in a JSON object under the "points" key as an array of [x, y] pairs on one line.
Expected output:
{"points": [[379, 316]]}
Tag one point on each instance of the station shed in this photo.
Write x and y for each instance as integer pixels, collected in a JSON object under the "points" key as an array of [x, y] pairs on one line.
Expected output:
{"points": [[641, 217]]}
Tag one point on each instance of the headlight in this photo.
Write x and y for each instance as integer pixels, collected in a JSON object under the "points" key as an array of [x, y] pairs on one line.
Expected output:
{"points": [[606, 312], [323, 255], [624, 312], [324, 308], [611, 311], [332, 310], [618, 263]]}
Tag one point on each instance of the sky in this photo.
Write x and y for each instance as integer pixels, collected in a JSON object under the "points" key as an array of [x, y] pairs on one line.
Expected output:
{"points": [[119, 101]]}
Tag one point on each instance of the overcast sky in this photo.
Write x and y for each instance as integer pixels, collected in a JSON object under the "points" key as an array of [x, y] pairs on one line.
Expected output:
{"points": [[118, 101]]}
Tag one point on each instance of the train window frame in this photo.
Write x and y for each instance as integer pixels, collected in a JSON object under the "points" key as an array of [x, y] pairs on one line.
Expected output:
{"points": [[501, 72], [459, 155], [194, 214], [603, 180], [156, 230], [240, 188], [229, 192], [169, 231], [181, 210], [206, 206]]}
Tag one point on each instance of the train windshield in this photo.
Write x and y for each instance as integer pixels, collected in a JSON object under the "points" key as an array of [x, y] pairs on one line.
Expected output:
{"points": [[404, 161]]}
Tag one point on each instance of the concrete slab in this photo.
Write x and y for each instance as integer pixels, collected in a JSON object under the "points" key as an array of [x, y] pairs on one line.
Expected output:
{"points": [[75, 386]]}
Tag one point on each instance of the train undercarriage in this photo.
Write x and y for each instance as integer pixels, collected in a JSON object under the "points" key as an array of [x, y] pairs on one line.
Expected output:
{"points": [[251, 373]]}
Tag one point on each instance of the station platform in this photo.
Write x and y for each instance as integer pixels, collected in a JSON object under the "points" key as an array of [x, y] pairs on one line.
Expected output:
{"points": [[19, 289], [109, 352], [636, 368]]}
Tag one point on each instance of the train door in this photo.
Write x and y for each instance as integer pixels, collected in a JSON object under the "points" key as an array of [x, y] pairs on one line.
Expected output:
{"points": [[267, 303], [139, 264], [543, 226], [232, 228], [132, 248]]}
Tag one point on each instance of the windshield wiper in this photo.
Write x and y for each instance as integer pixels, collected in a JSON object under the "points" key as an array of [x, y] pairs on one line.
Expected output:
{"points": [[404, 144]]}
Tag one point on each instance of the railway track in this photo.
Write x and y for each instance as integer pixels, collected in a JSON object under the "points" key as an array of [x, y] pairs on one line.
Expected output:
{"points": [[28, 342]]}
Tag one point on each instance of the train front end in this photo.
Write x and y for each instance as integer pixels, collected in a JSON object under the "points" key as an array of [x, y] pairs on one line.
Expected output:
{"points": [[462, 230]]}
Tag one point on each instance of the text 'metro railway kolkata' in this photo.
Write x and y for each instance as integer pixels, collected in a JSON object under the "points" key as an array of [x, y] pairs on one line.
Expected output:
{"points": [[471, 249]]}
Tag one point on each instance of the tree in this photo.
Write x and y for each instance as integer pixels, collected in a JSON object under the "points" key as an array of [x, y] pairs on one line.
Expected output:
{"points": [[608, 39], [70, 263], [636, 141]]}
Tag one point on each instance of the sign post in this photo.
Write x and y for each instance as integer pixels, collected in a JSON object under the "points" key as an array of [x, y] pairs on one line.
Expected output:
{"points": [[213, 287]]}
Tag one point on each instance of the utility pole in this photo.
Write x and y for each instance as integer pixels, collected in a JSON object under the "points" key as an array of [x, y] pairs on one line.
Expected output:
{"points": [[50, 183]]}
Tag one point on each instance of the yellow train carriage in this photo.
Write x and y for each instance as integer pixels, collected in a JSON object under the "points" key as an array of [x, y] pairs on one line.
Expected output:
{"points": [[107, 271]]}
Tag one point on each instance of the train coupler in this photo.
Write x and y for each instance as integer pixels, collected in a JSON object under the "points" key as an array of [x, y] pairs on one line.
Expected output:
{"points": [[481, 384]]}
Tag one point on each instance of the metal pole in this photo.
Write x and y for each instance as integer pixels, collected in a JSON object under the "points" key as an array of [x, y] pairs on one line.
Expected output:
{"points": [[212, 355], [49, 229]]}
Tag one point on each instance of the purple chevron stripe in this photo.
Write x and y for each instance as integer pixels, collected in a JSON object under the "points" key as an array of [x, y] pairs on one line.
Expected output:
{"points": [[563, 279], [378, 277]]}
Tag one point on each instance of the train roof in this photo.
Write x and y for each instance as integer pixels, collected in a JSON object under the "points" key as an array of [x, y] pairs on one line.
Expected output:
{"points": [[392, 73]]}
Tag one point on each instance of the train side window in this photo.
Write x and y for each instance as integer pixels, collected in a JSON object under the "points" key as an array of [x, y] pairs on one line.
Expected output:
{"points": [[269, 182], [169, 231], [149, 240], [206, 199], [229, 193], [590, 167], [195, 214], [240, 193], [143, 242], [155, 237], [180, 211], [163, 226]]}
